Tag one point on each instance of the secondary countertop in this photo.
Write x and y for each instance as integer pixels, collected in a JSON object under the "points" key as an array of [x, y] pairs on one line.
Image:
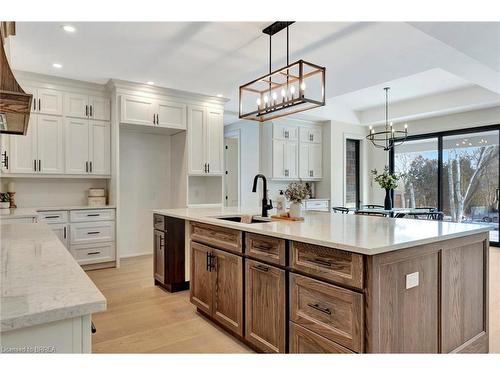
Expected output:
{"points": [[23, 212], [361, 234], [40, 282]]}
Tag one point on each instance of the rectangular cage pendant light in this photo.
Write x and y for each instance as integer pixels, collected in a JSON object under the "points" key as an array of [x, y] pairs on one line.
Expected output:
{"points": [[297, 87]]}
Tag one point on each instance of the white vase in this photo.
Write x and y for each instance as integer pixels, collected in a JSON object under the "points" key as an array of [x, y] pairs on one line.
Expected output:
{"points": [[4, 204], [295, 210]]}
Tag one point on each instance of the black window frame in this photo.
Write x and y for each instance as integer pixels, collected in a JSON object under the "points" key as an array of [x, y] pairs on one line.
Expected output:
{"points": [[358, 169]]}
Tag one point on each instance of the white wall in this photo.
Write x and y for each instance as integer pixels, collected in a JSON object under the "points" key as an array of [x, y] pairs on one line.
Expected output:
{"points": [[50, 192], [249, 153], [144, 185], [379, 158]]}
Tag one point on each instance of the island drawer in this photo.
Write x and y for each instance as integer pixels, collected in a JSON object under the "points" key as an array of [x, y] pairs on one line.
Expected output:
{"points": [[327, 263], [53, 217], [330, 311], [218, 237], [266, 248], [304, 341], [91, 215]]}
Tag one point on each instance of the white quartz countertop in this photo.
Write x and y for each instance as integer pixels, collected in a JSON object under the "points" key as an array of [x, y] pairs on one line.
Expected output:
{"points": [[40, 282], [361, 234], [22, 212]]}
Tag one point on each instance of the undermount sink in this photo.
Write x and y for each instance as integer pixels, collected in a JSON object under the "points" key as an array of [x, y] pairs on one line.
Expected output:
{"points": [[239, 219]]}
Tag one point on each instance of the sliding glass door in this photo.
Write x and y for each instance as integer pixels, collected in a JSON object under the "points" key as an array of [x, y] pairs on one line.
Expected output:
{"points": [[470, 179], [456, 172]]}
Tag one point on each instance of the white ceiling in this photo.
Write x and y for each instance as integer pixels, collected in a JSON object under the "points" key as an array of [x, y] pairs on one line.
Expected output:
{"points": [[416, 59]]}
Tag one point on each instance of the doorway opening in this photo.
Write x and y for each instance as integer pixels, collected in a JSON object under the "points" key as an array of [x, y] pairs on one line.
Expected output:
{"points": [[232, 169]]}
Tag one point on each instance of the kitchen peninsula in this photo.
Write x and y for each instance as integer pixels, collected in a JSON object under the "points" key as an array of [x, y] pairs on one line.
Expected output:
{"points": [[337, 283]]}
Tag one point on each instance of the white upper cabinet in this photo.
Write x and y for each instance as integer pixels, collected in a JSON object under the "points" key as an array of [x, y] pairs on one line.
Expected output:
{"points": [[84, 106], [77, 146], [99, 148], [215, 141], [46, 101], [87, 147], [205, 131], [41, 150], [287, 132], [311, 161], [311, 134], [50, 145], [171, 115], [137, 110]]}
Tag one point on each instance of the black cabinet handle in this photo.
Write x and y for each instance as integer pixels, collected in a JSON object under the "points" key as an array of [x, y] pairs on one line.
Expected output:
{"points": [[90, 167], [208, 261], [53, 217], [34, 104], [90, 215], [91, 115], [261, 267], [93, 232], [154, 118], [157, 119], [39, 104], [324, 310], [64, 231], [87, 166], [94, 253], [208, 167], [86, 111], [39, 165], [34, 165], [92, 327], [5, 160]]}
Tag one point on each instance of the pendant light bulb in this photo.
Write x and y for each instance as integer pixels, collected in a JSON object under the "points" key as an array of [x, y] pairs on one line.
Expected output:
{"points": [[258, 101], [283, 93], [303, 86], [266, 99], [275, 96]]}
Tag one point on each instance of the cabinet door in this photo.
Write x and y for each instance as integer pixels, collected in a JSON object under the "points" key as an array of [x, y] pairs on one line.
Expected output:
{"points": [[50, 102], [201, 278], [171, 115], [77, 146], [265, 306], [159, 256], [285, 132], [99, 147], [215, 141], [5, 154], [228, 290], [76, 105], [279, 159], [316, 135], [61, 231], [304, 170], [196, 140], [23, 152], [99, 108], [315, 160], [292, 159], [50, 144], [137, 110]]}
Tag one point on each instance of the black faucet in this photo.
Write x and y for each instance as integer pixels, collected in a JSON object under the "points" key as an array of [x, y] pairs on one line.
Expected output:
{"points": [[265, 206]]}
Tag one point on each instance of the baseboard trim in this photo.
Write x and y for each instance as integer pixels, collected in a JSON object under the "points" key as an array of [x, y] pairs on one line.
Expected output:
{"points": [[135, 255]]}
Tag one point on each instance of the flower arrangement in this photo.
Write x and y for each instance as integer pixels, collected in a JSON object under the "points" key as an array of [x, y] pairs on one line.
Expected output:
{"points": [[296, 192], [387, 180], [4, 197]]}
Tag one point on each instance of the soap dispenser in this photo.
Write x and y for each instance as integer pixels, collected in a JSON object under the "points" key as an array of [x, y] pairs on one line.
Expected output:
{"points": [[281, 204]]}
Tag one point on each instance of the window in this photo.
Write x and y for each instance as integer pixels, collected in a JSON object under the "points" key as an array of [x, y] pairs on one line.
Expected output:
{"points": [[352, 173]]}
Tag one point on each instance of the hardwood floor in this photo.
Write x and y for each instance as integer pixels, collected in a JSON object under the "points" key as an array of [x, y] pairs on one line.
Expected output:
{"points": [[142, 318]]}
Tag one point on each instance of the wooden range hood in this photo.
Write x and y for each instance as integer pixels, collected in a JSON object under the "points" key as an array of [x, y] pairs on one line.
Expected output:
{"points": [[15, 104]]}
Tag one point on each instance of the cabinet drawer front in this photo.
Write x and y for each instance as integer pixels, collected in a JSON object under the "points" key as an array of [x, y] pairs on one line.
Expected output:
{"points": [[96, 253], [330, 311], [53, 217], [265, 321], [304, 341], [330, 264], [317, 205], [219, 237], [91, 215], [82, 233], [159, 222], [266, 248]]}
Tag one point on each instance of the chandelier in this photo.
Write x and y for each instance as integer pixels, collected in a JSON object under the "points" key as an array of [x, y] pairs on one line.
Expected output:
{"points": [[293, 88], [389, 137]]}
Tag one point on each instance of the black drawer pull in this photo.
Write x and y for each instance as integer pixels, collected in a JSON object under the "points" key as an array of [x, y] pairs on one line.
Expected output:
{"points": [[94, 253], [89, 215], [316, 306], [261, 267], [321, 262], [53, 217], [93, 232]]}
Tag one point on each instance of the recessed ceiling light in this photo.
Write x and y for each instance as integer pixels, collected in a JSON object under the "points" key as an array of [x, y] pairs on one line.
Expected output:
{"points": [[150, 82], [219, 95], [57, 65], [68, 28]]}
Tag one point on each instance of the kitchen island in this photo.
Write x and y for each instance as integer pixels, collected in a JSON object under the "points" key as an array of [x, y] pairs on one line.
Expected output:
{"points": [[46, 299], [339, 283]]}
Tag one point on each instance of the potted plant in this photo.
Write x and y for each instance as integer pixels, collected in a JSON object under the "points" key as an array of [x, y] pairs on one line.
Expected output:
{"points": [[387, 181], [296, 192], [4, 200]]}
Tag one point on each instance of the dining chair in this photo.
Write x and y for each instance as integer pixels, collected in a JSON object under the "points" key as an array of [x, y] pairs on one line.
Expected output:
{"points": [[343, 210]]}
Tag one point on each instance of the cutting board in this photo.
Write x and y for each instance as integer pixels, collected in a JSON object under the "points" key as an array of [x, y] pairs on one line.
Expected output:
{"points": [[288, 218]]}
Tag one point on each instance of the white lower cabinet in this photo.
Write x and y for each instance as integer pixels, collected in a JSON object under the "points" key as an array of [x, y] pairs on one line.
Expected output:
{"points": [[89, 234]]}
